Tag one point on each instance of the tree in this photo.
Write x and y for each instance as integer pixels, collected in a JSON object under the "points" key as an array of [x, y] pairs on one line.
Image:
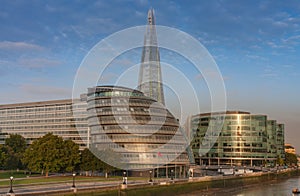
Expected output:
{"points": [[16, 142], [89, 162], [14, 149], [51, 153], [279, 161], [3, 157], [72, 155], [290, 159]]}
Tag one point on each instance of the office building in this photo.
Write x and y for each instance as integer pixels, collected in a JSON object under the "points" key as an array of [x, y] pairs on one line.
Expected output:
{"points": [[150, 79], [244, 139], [139, 132], [35, 119], [288, 148]]}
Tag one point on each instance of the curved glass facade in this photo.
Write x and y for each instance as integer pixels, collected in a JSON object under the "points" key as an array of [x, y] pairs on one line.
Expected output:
{"points": [[245, 139], [131, 131]]}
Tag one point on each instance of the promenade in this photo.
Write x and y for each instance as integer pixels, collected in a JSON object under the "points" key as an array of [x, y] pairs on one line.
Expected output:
{"points": [[60, 187]]}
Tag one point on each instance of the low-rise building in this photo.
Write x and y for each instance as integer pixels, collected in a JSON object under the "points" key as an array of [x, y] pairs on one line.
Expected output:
{"points": [[236, 138]]}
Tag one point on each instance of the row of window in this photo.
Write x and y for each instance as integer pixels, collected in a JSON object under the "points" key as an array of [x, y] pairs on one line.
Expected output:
{"points": [[135, 127], [34, 116], [3, 128], [116, 94], [43, 121], [133, 118], [35, 109], [131, 137]]}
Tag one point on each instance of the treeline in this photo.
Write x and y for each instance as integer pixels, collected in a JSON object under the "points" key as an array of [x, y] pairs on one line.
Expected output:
{"points": [[49, 153]]}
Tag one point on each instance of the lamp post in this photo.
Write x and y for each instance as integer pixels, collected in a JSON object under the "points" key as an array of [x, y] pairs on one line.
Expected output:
{"points": [[233, 170], [220, 169], [124, 177], [206, 168], [172, 173], [73, 186], [150, 175], [11, 182]]}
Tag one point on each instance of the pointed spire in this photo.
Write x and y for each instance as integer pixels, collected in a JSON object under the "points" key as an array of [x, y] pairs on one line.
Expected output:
{"points": [[151, 17], [150, 78]]}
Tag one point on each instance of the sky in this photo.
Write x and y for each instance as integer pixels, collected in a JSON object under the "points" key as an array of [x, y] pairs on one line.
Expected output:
{"points": [[256, 45]]}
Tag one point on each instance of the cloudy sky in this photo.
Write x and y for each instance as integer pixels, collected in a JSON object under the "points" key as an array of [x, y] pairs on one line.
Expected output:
{"points": [[256, 45]]}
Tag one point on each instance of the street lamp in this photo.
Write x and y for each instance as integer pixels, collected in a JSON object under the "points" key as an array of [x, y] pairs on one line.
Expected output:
{"points": [[73, 186], [11, 182], [150, 174], [206, 168], [220, 169], [124, 177], [172, 171]]}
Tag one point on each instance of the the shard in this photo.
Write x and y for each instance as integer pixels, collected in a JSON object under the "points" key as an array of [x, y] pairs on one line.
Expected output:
{"points": [[150, 78]]}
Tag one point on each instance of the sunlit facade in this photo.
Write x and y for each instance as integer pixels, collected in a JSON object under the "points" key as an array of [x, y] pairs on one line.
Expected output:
{"points": [[244, 139], [289, 149], [35, 119], [139, 132]]}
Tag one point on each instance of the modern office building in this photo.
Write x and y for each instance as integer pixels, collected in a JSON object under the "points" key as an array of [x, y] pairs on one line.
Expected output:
{"points": [[150, 79], [288, 148], [244, 139], [35, 119], [139, 132]]}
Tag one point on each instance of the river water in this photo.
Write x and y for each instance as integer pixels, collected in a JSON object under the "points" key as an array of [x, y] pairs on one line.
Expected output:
{"points": [[270, 188], [276, 188]]}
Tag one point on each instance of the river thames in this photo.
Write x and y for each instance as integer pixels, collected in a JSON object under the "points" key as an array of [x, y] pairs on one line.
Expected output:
{"points": [[282, 187]]}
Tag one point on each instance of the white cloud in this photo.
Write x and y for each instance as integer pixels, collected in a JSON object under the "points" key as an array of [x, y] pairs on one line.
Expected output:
{"points": [[8, 45], [38, 62]]}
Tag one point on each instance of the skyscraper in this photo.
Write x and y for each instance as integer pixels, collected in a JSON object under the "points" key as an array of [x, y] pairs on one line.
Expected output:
{"points": [[150, 79]]}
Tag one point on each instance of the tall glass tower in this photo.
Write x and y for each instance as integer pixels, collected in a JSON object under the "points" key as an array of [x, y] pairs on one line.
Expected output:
{"points": [[150, 79]]}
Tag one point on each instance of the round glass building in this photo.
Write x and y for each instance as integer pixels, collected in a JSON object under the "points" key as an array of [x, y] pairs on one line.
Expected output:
{"points": [[131, 131]]}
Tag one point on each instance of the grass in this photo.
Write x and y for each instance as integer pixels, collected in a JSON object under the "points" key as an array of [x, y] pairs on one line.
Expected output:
{"points": [[21, 179], [15, 174]]}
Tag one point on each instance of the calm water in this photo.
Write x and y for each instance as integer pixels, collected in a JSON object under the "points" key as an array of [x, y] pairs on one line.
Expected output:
{"points": [[273, 188], [283, 187]]}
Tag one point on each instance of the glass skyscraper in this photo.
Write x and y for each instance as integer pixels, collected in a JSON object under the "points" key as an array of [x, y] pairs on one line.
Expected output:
{"points": [[150, 79]]}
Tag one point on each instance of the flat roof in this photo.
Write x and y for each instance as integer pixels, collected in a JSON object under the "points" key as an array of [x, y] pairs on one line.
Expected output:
{"points": [[222, 113], [37, 103]]}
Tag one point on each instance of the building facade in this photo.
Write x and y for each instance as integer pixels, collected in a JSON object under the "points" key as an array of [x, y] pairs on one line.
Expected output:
{"points": [[150, 78], [244, 139], [138, 132], [35, 119], [288, 148]]}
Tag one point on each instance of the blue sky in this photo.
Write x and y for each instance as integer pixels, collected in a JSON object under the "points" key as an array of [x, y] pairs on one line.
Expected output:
{"points": [[256, 45]]}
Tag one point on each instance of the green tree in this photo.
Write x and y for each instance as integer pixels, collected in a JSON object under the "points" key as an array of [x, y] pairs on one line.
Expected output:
{"points": [[3, 157], [14, 148], [16, 142], [71, 155], [89, 162], [51, 153], [290, 159], [279, 161]]}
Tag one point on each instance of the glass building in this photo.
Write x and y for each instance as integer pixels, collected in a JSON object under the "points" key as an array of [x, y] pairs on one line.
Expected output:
{"points": [[244, 139], [132, 131], [150, 77]]}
